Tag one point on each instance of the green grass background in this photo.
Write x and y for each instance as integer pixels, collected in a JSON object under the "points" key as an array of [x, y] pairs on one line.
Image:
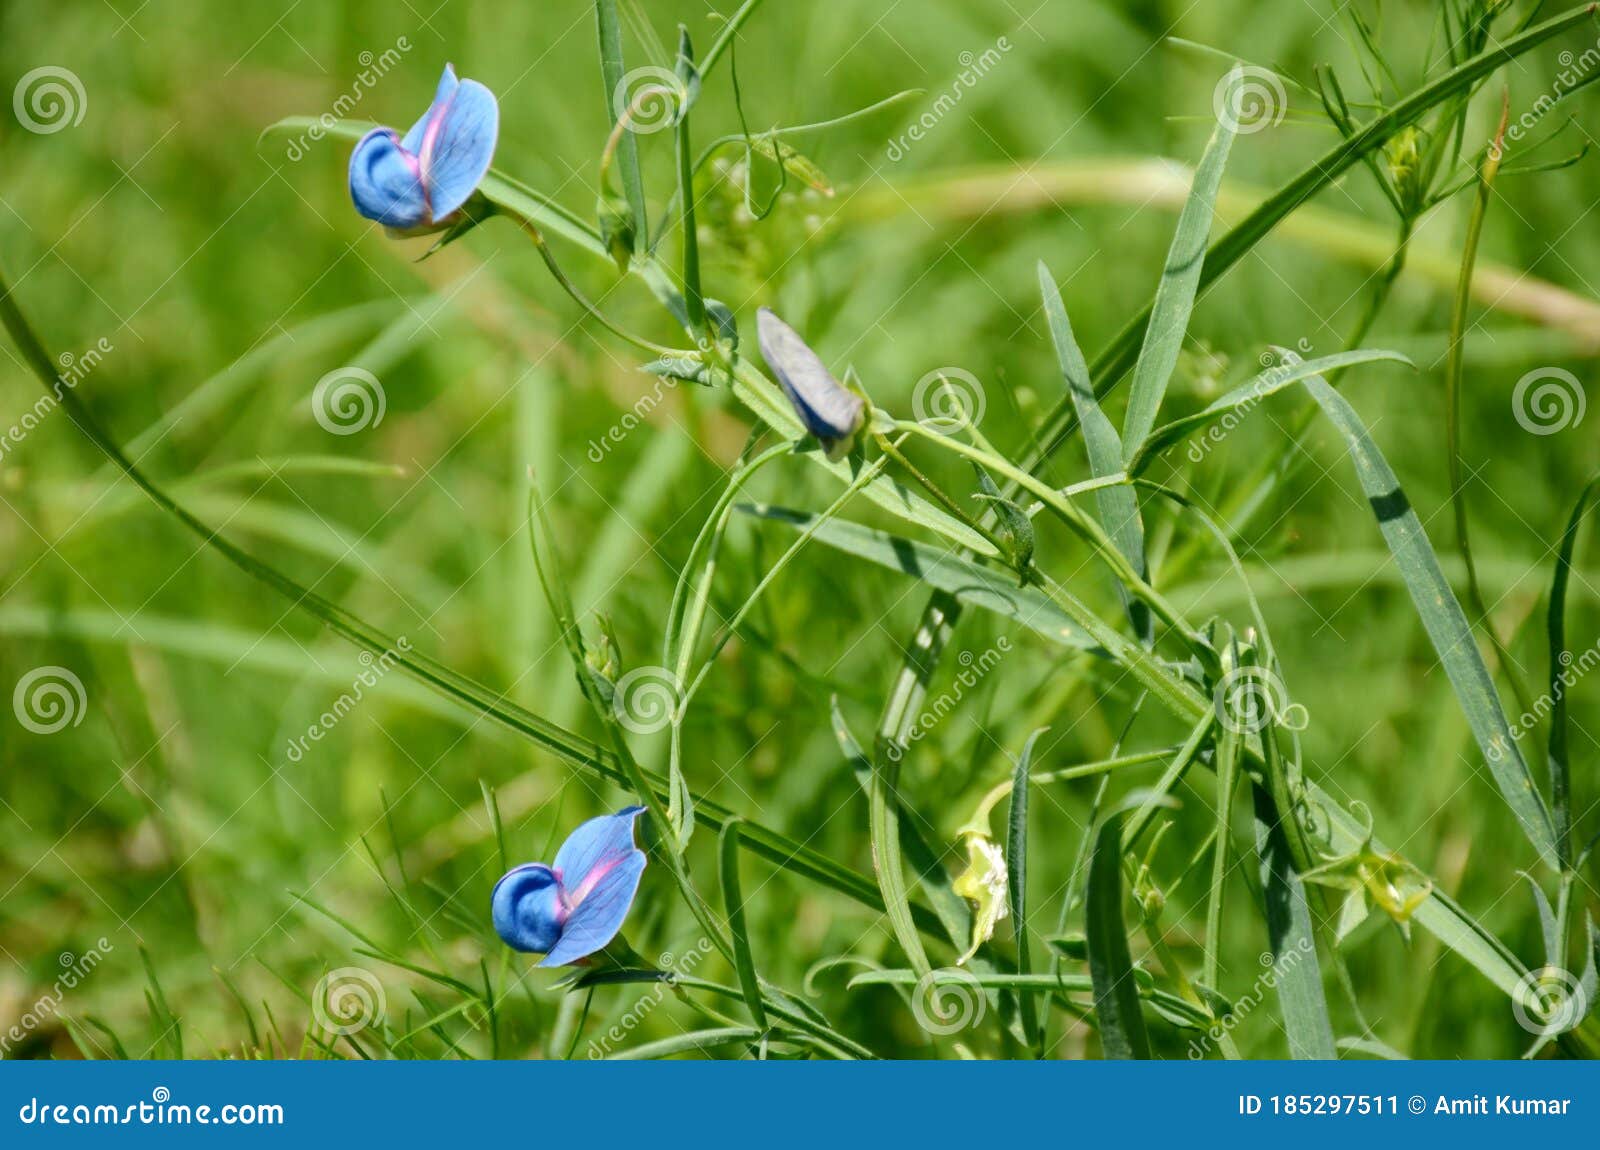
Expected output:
{"points": [[172, 818]]}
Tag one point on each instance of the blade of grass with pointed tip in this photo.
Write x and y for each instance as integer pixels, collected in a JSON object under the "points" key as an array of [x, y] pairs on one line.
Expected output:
{"points": [[733, 899], [1319, 175], [1247, 395], [613, 73], [1116, 990], [1444, 621], [1119, 505], [1560, 662], [1180, 280]]}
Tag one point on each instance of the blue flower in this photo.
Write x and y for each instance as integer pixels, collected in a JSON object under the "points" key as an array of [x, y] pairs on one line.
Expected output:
{"points": [[419, 182], [574, 907], [829, 410]]}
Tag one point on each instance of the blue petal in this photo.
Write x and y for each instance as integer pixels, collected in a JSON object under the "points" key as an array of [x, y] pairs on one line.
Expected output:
{"points": [[595, 921], [386, 182], [527, 908], [599, 867], [447, 88], [458, 144], [828, 409]]}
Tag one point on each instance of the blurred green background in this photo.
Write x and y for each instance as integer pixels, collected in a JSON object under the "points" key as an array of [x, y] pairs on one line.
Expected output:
{"points": [[227, 277]]}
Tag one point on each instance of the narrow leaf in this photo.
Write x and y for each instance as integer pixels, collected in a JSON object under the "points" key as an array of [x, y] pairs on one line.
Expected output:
{"points": [[733, 899], [1444, 621], [1017, 878], [1116, 990], [1119, 504], [1174, 302]]}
